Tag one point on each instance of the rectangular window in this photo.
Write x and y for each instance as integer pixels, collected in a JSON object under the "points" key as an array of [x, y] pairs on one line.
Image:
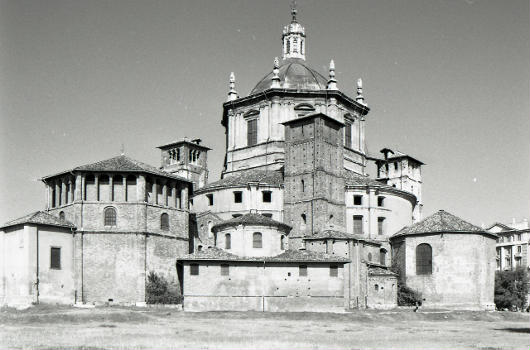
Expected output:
{"points": [[194, 269], [380, 226], [518, 236], [269, 215], [55, 258], [358, 224], [210, 199], [347, 135], [302, 270], [519, 249], [252, 132], [357, 200], [267, 196], [395, 165], [380, 201], [333, 271], [225, 270], [238, 197]]}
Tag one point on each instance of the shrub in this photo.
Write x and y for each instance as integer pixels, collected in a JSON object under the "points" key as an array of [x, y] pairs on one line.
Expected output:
{"points": [[158, 292], [407, 296], [511, 289]]}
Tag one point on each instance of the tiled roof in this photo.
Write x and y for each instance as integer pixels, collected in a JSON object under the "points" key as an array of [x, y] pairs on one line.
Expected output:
{"points": [[213, 253], [251, 219], [39, 217], [121, 163], [243, 178], [502, 226], [353, 179], [379, 271], [440, 222], [336, 234]]}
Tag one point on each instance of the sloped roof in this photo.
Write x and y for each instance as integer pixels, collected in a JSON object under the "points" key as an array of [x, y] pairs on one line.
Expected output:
{"points": [[353, 179], [39, 217], [502, 226], [374, 270], [336, 234], [251, 219], [243, 178], [121, 163], [441, 222], [216, 254]]}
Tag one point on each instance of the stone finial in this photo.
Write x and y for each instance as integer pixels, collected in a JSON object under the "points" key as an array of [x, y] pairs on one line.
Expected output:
{"points": [[360, 97], [232, 93], [275, 74], [294, 11], [332, 82]]}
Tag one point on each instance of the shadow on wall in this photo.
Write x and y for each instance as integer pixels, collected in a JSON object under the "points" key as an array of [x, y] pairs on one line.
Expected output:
{"points": [[515, 330]]}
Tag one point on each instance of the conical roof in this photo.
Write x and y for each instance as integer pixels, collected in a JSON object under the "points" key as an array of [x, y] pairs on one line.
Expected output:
{"points": [[439, 222]]}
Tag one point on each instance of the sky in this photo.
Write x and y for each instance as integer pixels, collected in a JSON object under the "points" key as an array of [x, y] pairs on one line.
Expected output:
{"points": [[447, 82]]}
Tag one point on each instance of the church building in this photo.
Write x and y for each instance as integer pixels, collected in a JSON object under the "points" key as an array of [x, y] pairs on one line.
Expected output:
{"points": [[294, 223]]}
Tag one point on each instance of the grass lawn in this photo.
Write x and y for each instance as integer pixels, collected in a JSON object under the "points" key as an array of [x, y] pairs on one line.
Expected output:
{"points": [[47, 327]]}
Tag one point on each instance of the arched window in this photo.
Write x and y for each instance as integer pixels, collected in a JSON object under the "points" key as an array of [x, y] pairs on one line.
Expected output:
{"points": [[62, 216], [382, 256], [110, 217], [304, 219], [228, 241], [257, 240], [164, 222], [303, 186], [423, 259], [282, 242]]}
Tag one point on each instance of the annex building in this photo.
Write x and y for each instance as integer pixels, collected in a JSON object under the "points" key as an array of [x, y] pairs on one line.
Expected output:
{"points": [[293, 224]]}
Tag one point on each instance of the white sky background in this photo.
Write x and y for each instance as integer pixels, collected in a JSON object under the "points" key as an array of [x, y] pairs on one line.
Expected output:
{"points": [[446, 81]]}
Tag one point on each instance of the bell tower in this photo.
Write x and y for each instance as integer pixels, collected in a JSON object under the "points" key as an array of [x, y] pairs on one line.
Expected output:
{"points": [[313, 174]]}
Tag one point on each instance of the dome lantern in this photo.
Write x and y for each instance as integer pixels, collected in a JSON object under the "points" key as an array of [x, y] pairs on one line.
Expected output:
{"points": [[293, 37]]}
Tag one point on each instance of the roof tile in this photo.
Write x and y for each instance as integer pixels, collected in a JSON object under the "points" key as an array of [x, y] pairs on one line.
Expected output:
{"points": [[39, 217]]}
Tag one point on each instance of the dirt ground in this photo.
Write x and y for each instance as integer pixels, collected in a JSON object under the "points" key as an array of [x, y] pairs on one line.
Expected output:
{"points": [[46, 327]]}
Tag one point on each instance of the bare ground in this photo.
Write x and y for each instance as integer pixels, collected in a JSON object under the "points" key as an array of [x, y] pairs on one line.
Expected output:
{"points": [[47, 327]]}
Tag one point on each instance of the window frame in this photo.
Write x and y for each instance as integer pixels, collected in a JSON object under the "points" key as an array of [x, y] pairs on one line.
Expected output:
{"points": [[333, 270], [238, 197], [110, 221], [225, 269], [164, 222], [266, 196], [302, 271], [257, 243], [57, 266], [423, 259], [357, 199], [228, 241], [194, 270], [209, 196], [252, 132], [359, 219]]}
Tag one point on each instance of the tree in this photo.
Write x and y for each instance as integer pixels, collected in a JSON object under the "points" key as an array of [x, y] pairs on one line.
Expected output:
{"points": [[511, 288], [157, 291]]}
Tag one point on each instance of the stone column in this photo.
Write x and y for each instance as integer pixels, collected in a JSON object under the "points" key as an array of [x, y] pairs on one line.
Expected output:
{"points": [[57, 193], [173, 189], [141, 193], [362, 146], [83, 187], [72, 189], [124, 179], [96, 184], [164, 194], [111, 188], [155, 191], [184, 197], [49, 199]]}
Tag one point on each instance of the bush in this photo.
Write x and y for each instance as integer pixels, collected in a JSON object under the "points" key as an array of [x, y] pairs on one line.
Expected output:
{"points": [[511, 289], [157, 291], [407, 296]]}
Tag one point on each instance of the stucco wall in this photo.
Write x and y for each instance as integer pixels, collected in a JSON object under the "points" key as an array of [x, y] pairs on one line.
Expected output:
{"points": [[225, 207], [19, 247], [259, 287], [463, 270], [241, 238]]}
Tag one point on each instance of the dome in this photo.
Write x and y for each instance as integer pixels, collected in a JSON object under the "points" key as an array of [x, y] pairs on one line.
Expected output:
{"points": [[294, 74]]}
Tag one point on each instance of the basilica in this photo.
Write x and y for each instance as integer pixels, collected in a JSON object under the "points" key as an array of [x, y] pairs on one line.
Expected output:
{"points": [[293, 224]]}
